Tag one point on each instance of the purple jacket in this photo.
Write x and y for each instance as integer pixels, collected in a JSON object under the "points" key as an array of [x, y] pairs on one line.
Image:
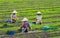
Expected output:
{"points": [[25, 25]]}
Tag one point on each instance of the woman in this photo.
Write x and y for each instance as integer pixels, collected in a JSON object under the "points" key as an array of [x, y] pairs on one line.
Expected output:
{"points": [[13, 16], [39, 18], [25, 25]]}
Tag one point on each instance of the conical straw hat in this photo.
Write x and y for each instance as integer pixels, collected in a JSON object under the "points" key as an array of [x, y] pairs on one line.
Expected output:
{"points": [[14, 11], [38, 12], [25, 19]]}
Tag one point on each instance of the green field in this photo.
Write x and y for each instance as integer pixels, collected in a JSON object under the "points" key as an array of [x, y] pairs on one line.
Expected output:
{"points": [[50, 11]]}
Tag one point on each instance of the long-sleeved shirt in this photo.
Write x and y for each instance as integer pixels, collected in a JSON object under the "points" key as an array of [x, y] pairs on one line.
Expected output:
{"points": [[13, 16], [27, 25], [39, 17]]}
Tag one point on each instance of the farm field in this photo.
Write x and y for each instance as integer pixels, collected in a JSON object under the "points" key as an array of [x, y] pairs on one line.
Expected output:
{"points": [[28, 8]]}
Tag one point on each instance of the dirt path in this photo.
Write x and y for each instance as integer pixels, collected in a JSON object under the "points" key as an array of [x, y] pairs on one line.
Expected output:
{"points": [[31, 34]]}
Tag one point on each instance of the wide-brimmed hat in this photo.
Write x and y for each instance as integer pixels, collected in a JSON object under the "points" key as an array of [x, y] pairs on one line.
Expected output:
{"points": [[14, 11], [25, 19]]}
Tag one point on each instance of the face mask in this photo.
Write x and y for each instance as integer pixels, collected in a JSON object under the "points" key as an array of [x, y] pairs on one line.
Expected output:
{"points": [[25, 22]]}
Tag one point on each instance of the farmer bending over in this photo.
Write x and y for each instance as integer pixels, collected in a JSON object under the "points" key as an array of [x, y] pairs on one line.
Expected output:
{"points": [[13, 16], [39, 18], [25, 25]]}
